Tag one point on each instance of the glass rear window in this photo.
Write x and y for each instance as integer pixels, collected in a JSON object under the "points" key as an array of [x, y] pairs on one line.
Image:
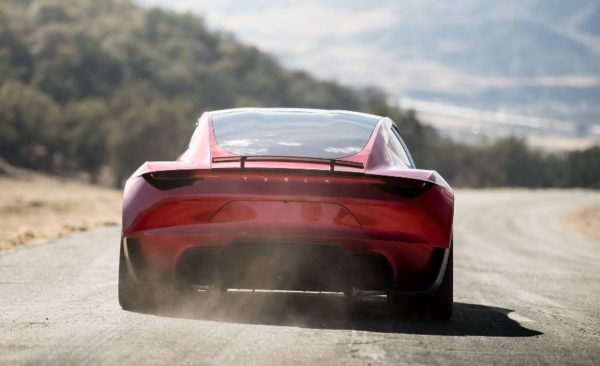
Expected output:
{"points": [[301, 134]]}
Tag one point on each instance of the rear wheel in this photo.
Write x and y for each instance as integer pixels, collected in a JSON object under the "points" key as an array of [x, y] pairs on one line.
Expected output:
{"points": [[139, 295], [438, 304], [406, 305], [442, 300], [132, 295]]}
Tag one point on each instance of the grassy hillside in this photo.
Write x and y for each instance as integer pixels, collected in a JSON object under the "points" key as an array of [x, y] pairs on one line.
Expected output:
{"points": [[104, 85], [89, 83]]}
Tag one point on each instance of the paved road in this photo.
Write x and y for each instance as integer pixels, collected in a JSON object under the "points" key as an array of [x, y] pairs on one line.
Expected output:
{"points": [[525, 293]]}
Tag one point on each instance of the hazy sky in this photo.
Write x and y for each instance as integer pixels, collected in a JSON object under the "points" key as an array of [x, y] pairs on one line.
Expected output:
{"points": [[297, 31]]}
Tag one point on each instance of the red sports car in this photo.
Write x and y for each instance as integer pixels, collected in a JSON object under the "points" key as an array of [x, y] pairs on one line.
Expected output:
{"points": [[289, 199]]}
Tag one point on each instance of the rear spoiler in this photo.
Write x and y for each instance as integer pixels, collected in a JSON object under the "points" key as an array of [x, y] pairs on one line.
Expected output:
{"points": [[288, 159]]}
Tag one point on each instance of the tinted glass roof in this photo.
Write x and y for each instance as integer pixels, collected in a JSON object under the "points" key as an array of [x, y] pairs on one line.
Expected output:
{"points": [[305, 133]]}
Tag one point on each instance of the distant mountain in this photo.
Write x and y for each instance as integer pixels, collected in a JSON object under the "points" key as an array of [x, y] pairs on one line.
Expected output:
{"points": [[537, 57], [504, 48]]}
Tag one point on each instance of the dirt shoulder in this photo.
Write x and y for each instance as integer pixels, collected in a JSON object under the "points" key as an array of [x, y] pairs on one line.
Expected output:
{"points": [[585, 221], [35, 207]]}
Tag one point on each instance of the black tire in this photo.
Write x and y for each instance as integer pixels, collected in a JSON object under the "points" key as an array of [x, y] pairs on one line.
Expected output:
{"points": [[132, 295], [406, 305], [143, 296], [442, 300]]}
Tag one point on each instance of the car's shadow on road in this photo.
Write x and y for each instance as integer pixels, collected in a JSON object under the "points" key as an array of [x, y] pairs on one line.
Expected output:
{"points": [[329, 312]]}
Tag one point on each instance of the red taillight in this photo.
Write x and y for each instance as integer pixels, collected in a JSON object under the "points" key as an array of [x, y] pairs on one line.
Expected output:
{"points": [[171, 179], [408, 188]]}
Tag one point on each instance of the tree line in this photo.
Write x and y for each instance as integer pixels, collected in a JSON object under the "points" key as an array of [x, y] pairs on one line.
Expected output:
{"points": [[104, 85]]}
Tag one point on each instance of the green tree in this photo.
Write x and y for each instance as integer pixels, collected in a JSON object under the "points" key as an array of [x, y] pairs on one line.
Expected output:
{"points": [[86, 132], [29, 127]]}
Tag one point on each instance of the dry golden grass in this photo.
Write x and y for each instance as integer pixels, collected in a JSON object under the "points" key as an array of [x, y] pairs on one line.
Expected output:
{"points": [[35, 208], [586, 221]]}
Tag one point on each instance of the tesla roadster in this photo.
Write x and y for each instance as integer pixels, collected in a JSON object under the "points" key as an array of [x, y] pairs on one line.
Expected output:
{"points": [[289, 199]]}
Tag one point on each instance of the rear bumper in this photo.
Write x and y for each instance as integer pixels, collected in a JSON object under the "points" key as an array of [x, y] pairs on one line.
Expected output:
{"points": [[366, 219], [366, 259]]}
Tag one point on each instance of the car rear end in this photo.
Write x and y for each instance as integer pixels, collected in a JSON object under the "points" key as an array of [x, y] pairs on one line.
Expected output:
{"points": [[294, 229], [305, 210]]}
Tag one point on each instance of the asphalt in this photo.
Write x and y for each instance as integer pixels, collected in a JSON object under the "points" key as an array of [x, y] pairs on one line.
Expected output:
{"points": [[526, 292]]}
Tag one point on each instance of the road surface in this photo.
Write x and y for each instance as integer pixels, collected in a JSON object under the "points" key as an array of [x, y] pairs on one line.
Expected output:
{"points": [[526, 292]]}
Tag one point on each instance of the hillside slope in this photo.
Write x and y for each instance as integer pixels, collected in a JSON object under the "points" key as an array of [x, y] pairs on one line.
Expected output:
{"points": [[90, 85], [86, 83]]}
